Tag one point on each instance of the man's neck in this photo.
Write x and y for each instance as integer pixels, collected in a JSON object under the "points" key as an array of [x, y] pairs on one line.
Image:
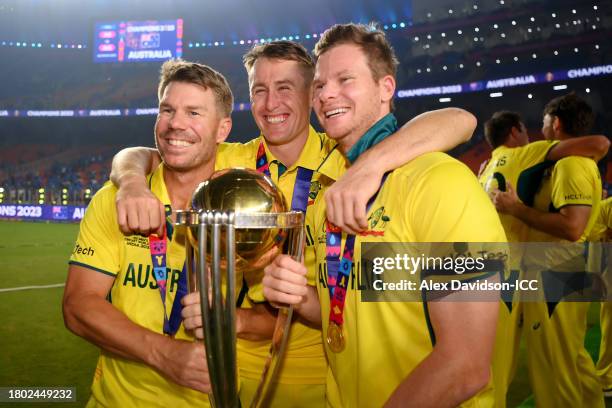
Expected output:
{"points": [[181, 185], [562, 136], [289, 153], [346, 143]]}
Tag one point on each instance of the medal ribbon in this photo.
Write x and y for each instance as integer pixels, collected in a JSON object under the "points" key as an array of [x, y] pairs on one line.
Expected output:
{"points": [[338, 270], [158, 247]]}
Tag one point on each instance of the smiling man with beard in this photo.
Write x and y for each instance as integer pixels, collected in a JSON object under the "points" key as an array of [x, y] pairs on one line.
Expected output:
{"points": [[113, 297]]}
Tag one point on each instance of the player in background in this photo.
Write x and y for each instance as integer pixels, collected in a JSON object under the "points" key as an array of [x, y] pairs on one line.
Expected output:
{"points": [[564, 209], [512, 154], [601, 235]]}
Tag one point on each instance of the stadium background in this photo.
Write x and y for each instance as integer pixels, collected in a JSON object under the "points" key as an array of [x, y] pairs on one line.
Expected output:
{"points": [[481, 55]]}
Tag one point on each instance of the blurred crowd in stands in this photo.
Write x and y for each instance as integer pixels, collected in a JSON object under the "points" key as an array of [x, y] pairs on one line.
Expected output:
{"points": [[45, 174]]}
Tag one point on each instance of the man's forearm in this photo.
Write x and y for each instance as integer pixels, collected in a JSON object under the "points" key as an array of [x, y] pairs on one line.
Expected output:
{"points": [[552, 223], [98, 321], [443, 379], [433, 131], [133, 163]]}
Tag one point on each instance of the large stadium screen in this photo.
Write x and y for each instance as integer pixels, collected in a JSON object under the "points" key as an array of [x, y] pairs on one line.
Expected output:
{"points": [[135, 41]]}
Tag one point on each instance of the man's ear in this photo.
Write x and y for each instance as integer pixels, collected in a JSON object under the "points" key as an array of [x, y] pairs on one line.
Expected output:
{"points": [[557, 126], [387, 86], [223, 130]]}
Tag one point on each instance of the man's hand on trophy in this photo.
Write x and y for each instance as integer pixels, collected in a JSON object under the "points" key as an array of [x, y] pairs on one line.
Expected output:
{"points": [[347, 198], [184, 363], [192, 314], [284, 282], [138, 210]]}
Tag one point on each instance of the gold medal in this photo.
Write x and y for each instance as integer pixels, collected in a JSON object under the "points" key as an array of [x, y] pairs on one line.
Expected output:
{"points": [[335, 338]]}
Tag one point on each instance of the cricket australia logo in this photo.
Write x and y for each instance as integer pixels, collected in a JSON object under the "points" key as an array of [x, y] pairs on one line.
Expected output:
{"points": [[378, 220], [315, 187]]}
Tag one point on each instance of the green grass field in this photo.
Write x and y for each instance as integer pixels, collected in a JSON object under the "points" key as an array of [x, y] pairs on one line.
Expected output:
{"points": [[37, 350]]}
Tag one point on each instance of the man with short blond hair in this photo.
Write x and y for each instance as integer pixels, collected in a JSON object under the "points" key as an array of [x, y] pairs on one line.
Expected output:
{"points": [[114, 298]]}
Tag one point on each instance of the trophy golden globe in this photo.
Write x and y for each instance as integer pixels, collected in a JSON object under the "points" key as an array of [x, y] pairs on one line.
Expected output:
{"points": [[238, 222]]}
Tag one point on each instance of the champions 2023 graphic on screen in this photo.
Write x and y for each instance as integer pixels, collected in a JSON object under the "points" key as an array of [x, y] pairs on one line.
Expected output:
{"points": [[134, 41]]}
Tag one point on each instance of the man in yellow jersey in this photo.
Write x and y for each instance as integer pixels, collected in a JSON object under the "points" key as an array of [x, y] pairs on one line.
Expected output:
{"points": [[564, 210], [123, 291], [280, 76], [512, 154], [600, 235], [422, 354]]}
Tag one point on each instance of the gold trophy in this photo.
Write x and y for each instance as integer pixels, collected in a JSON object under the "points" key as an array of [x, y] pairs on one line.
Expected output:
{"points": [[238, 222]]}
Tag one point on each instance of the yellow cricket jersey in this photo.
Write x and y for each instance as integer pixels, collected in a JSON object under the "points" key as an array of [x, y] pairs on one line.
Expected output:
{"points": [[603, 222], [561, 371], [433, 198], [102, 247], [505, 166], [304, 362], [573, 181]]}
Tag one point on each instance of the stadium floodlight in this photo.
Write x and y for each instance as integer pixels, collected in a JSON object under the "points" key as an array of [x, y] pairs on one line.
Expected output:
{"points": [[573, 11], [497, 61], [459, 32], [41, 201], [444, 100], [428, 69], [451, 43], [475, 7], [460, 65], [560, 87], [515, 59], [556, 52], [1, 189], [443, 35], [513, 22], [575, 49], [450, 11], [496, 94], [476, 29], [554, 15], [477, 63], [596, 46], [534, 56], [594, 7], [529, 96], [532, 19], [41, 190], [588, 90]]}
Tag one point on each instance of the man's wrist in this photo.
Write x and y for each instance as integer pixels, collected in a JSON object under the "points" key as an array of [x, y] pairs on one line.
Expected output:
{"points": [[132, 178]]}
